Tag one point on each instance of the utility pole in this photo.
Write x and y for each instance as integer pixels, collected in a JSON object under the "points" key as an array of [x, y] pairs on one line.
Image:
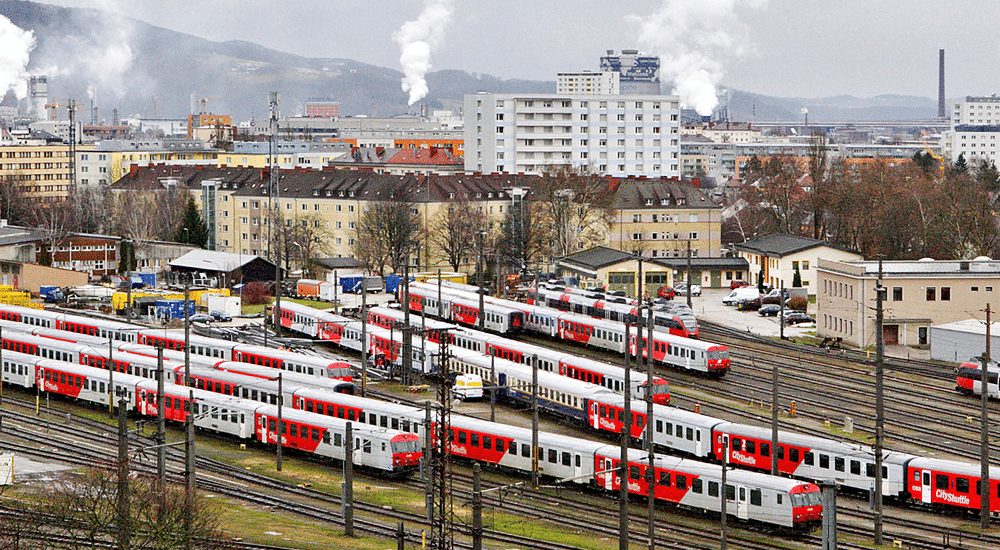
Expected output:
{"points": [[479, 271], [189, 468], [477, 508], [774, 422], [407, 359], [879, 404], [534, 421], [724, 492], [161, 422], [129, 254], [689, 281], [651, 455], [364, 337], [187, 334], [281, 426], [781, 313], [623, 469], [275, 211], [428, 462], [122, 506], [984, 442], [348, 490], [111, 378]]}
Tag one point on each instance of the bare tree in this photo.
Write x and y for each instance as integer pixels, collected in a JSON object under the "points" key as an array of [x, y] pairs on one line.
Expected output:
{"points": [[14, 204], [302, 238], [54, 221], [819, 196], [388, 227], [456, 232], [575, 206]]}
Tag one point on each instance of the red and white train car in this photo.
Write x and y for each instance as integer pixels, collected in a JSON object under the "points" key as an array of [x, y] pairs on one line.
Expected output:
{"points": [[948, 483]]}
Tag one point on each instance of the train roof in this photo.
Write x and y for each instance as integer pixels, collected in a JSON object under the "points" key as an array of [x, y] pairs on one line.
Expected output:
{"points": [[969, 469], [709, 470], [545, 439], [356, 401]]}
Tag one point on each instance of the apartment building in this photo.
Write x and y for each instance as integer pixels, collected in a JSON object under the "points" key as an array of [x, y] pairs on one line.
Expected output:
{"points": [[660, 218], [918, 294], [975, 125], [42, 171], [616, 135], [587, 83]]}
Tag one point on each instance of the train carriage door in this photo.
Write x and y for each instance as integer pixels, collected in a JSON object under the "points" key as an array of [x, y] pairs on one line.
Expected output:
{"points": [[925, 486], [577, 465], [725, 448], [697, 443], [595, 418], [742, 508], [609, 477]]}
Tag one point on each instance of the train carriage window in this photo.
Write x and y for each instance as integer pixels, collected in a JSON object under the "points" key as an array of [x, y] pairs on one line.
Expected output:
{"points": [[395, 423], [855, 467], [633, 472], [309, 406], [62, 378], [765, 449], [566, 460], [730, 492], [793, 455], [838, 464], [293, 429], [751, 447], [659, 426], [639, 421], [824, 461], [737, 444], [474, 440], [383, 422], [553, 456], [808, 458], [696, 485], [713, 489], [525, 450], [681, 483], [487, 443], [604, 412], [870, 471], [680, 431], [350, 414], [500, 446], [941, 482], [513, 448], [462, 438], [755, 499], [961, 485], [271, 425], [779, 498], [367, 447]]}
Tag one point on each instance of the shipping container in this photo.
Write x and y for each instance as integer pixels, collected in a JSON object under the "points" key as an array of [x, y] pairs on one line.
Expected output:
{"points": [[173, 309]]}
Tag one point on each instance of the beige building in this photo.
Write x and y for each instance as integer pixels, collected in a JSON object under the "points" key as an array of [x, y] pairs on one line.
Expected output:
{"points": [[918, 294], [658, 218], [42, 172], [777, 257]]}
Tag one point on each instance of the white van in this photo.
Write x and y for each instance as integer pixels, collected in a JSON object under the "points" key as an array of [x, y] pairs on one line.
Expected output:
{"points": [[740, 294], [468, 386]]}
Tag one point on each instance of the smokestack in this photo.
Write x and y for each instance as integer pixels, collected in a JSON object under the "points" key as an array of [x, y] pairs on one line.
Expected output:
{"points": [[941, 111]]}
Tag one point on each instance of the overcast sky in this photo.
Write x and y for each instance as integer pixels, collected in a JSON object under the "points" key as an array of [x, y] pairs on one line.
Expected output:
{"points": [[791, 47]]}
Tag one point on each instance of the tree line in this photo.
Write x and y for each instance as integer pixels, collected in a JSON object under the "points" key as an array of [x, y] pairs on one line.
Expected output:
{"points": [[901, 210]]}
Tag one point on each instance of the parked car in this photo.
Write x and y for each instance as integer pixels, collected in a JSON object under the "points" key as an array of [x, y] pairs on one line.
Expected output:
{"points": [[748, 304], [201, 318], [769, 310], [740, 294], [695, 290], [665, 292], [797, 317], [221, 316], [773, 297], [737, 284]]}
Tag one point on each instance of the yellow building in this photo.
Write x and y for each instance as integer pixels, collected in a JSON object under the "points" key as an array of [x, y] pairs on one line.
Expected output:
{"points": [[42, 172], [659, 218]]}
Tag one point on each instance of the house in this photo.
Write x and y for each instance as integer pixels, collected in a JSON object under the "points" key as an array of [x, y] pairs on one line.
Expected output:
{"points": [[775, 259]]}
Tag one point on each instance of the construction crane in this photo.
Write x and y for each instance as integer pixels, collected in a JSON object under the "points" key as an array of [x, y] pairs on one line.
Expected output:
{"points": [[203, 102], [935, 156], [54, 105]]}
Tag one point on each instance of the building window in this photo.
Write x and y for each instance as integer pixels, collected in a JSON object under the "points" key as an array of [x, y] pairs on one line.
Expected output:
{"points": [[897, 294], [945, 293], [931, 293], [805, 265]]}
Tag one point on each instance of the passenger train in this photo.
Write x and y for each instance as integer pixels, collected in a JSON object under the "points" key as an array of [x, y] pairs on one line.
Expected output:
{"points": [[391, 452], [677, 352]]}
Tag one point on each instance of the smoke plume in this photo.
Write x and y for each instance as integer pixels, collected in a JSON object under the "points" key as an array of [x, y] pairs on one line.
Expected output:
{"points": [[15, 46], [692, 37], [417, 39]]}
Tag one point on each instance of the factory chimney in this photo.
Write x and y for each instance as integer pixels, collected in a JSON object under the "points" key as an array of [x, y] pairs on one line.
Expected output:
{"points": [[941, 112]]}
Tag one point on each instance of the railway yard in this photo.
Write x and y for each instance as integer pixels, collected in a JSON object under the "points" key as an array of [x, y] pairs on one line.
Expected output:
{"points": [[301, 507]]}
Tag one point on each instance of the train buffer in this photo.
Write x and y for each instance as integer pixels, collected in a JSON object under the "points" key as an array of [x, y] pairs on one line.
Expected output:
{"points": [[831, 343]]}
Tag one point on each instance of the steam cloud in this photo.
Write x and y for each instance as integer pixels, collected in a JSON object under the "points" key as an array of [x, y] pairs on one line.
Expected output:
{"points": [[691, 37], [15, 46], [417, 39]]}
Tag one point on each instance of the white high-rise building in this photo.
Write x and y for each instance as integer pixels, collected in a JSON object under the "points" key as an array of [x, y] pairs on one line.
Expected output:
{"points": [[975, 130], [634, 135], [603, 83]]}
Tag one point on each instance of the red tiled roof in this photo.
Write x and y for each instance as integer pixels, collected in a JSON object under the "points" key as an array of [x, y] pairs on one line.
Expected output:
{"points": [[434, 155]]}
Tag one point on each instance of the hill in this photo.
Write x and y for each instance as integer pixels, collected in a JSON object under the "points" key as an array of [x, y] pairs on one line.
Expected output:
{"points": [[142, 69]]}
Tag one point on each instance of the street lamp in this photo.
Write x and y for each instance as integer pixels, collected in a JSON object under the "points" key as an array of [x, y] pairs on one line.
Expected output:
{"points": [[302, 252]]}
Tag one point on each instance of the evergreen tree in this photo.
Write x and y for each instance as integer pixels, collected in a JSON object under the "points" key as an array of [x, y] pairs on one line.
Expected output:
{"points": [[961, 166], [760, 277], [193, 229], [988, 176], [797, 278]]}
